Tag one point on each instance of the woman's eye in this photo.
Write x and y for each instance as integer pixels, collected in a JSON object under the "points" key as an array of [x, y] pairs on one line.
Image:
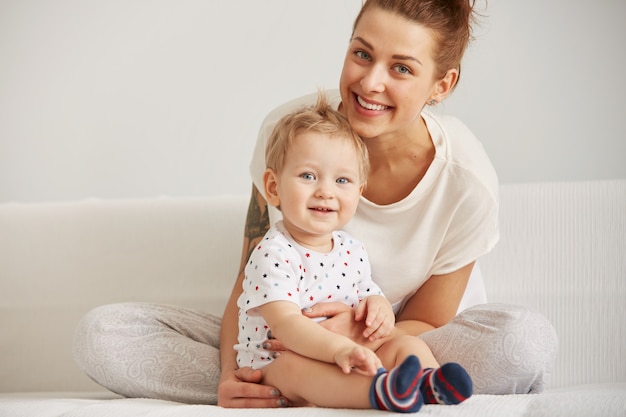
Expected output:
{"points": [[307, 176], [403, 69], [363, 55]]}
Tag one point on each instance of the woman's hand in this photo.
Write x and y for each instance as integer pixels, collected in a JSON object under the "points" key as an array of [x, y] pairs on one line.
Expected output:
{"points": [[242, 388]]}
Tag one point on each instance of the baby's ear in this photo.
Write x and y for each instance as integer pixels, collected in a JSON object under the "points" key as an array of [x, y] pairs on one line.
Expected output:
{"points": [[270, 182]]}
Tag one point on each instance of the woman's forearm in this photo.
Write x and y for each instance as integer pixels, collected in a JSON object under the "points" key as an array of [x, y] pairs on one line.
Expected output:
{"points": [[257, 224], [228, 335], [412, 327]]}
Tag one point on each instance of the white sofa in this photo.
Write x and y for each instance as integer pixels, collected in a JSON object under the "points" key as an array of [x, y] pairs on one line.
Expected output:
{"points": [[562, 252]]}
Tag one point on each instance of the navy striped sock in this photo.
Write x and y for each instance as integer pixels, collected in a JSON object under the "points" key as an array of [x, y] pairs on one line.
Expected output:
{"points": [[398, 389], [449, 384]]}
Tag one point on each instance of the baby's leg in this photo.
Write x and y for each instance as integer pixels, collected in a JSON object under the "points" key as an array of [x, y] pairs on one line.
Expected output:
{"points": [[448, 384], [396, 350], [307, 381], [310, 382]]}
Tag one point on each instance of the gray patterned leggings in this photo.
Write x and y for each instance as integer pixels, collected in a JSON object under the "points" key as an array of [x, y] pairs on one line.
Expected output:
{"points": [[172, 353]]}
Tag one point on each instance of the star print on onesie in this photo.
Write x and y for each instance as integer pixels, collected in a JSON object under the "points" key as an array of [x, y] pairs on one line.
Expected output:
{"points": [[279, 269]]}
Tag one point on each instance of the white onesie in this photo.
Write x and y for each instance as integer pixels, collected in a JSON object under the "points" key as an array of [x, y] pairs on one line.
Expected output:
{"points": [[280, 269]]}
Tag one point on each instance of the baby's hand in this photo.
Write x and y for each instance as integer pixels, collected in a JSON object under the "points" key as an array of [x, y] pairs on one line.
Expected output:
{"points": [[379, 317], [358, 358]]}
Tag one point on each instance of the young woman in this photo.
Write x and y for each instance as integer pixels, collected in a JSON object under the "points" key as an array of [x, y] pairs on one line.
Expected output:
{"points": [[429, 211]]}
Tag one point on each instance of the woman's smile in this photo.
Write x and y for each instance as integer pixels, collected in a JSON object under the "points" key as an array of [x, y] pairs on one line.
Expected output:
{"points": [[370, 105]]}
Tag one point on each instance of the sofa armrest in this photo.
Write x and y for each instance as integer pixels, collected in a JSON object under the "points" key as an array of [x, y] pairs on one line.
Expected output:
{"points": [[59, 260]]}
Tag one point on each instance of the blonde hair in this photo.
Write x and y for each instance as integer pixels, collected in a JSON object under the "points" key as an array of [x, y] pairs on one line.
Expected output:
{"points": [[320, 118]]}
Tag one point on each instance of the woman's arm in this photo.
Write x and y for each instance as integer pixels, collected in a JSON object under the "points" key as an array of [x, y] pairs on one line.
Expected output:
{"points": [[435, 303], [240, 388], [432, 306]]}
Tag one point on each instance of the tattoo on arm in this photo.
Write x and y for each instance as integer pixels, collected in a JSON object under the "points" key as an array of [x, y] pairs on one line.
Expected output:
{"points": [[257, 224]]}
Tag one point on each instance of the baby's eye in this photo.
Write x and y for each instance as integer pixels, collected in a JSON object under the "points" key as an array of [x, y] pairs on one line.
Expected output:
{"points": [[363, 55], [343, 181], [307, 176]]}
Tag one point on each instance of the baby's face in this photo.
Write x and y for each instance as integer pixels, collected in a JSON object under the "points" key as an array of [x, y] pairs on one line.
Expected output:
{"points": [[319, 186]]}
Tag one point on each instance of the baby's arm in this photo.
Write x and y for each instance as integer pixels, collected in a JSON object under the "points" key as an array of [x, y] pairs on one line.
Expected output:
{"points": [[379, 317], [303, 336]]}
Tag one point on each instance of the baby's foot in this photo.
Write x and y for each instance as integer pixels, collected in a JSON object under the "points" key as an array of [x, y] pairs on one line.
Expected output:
{"points": [[398, 389], [450, 384]]}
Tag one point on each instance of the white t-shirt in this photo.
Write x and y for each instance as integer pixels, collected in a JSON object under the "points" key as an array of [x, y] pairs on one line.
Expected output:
{"points": [[449, 220], [279, 269]]}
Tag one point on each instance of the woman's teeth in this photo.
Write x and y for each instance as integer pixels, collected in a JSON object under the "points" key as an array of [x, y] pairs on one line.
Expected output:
{"points": [[369, 106]]}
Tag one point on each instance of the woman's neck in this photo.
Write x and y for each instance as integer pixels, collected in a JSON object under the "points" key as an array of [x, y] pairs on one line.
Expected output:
{"points": [[397, 164]]}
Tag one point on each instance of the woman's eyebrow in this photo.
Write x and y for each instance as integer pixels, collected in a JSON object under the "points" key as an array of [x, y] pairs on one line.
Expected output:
{"points": [[364, 42], [407, 58], [396, 56]]}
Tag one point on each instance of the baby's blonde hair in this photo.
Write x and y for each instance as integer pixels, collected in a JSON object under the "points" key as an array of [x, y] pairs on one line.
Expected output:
{"points": [[320, 118]]}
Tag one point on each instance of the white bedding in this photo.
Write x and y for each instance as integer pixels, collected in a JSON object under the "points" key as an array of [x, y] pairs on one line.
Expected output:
{"points": [[608, 400]]}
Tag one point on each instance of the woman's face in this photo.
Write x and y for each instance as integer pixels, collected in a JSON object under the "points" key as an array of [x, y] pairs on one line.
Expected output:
{"points": [[388, 75]]}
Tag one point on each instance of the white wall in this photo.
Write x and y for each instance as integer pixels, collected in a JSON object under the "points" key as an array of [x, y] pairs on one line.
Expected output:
{"points": [[140, 98]]}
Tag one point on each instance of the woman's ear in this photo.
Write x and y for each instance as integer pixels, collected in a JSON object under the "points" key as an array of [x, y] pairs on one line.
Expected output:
{"points": [[444, 86], [270, 182]]}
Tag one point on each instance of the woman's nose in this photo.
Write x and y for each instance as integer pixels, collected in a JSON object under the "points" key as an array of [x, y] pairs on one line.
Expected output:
{"points": [[374, 79]]}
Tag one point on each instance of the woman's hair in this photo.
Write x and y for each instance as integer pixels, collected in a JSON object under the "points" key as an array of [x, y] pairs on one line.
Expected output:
{"points": [[320, 118], [450, 22]]}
